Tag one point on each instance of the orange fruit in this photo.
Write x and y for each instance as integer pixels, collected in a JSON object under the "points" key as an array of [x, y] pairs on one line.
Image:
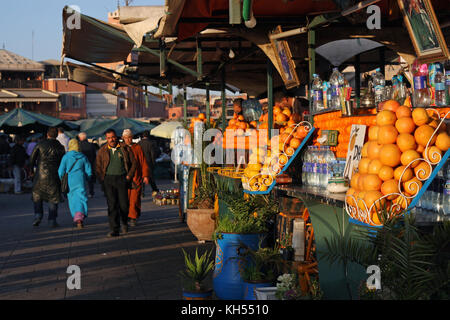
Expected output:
{"points": [[390, 155], [403, 112], [420, 149], [434, 154], [443, 141], [386, 118], [374, 198], [389, 187], [387, 135], [287, 112], [405, 125], [374, 166], [373, 150], [391, 105], [408, 175], [406, 141], [410, 157], [364, 150], [372, 182], [361, 202], [375, 219], [281, 117], [412, 186], [373, 133], [276, 110], [295, 143], [202, 116], [241, 118], [360, 185], [354, 180], [253, 124], [386, 173], [423, 135], [423, 170], [349, 197], [402, 202], [420, 116], [363, 166]]}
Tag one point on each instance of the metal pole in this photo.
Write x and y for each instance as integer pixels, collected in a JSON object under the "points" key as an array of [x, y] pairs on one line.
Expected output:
{"points": [[311, 54], [270, 95], [208, 106], [358, 80], [184, 103], [199, 61], [224, 101]]}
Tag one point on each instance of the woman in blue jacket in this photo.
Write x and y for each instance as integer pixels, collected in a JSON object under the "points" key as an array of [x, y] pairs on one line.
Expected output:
{"points": [[79, 169]]}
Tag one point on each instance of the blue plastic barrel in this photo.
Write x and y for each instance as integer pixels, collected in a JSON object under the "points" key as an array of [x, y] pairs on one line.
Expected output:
{"points": [[227, 281], [250, 287]]}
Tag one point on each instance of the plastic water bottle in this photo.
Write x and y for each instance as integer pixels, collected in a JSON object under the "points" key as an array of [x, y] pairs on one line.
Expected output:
{"points": [[317, 93], [447, 82], [446, 192], [439, 87], [304, 174], [379, 83], [336, 82], [421, 96], [326, 94]]}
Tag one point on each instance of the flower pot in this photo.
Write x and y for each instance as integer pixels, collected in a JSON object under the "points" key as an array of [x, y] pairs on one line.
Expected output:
{"points": [[200, 223], [266, 293], [227, 281], [250, 289], [197, 295]]}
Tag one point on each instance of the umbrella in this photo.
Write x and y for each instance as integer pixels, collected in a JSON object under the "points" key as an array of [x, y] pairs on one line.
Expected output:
{"points": [[165, 130], [340, 51], [86, 124], [118, 125], [24, 121]]}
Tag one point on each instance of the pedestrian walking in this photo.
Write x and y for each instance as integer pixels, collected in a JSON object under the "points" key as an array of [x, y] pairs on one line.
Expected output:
{"points": [[17, 159], [4, 145], [89, 150], [63, 139], [79, 171], [115, 168], [46, 157], [31, 146], [140, 178], [149, 149]]}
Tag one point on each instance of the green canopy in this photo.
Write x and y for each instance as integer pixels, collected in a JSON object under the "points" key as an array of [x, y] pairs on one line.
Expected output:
{"points": [[87, 124], [24, 121], [119, 125]]}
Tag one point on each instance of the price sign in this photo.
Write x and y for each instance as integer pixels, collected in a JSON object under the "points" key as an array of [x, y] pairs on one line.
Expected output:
{"points": [[357, 136]]}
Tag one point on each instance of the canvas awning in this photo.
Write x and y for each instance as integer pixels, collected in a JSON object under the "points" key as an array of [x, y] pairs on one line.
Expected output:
{"points": [[119, 125], [27, 95], [94, 41]]}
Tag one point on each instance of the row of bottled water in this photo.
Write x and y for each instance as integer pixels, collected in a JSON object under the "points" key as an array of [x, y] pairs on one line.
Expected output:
{"points": [[437, 197], [327, 95], [316, 169]]}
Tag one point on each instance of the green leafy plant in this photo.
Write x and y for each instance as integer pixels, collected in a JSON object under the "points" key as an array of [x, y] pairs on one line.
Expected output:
{"points": [[259, 265], [206, 191], [251, 215], [414, 264], [196, 269]]}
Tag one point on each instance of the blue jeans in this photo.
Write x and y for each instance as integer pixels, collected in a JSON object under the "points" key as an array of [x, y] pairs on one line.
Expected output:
{"points": [[39, 210]]}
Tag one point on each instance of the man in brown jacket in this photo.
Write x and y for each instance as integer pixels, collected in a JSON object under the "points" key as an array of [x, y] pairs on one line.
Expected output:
{"points": [[116, 166]]}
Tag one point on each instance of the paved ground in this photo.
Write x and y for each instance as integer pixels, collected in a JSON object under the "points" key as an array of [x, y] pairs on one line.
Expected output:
{"points": [[142, 265]]}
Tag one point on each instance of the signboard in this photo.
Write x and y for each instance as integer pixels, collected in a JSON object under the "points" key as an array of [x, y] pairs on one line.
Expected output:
{"points": [[357, 136]]}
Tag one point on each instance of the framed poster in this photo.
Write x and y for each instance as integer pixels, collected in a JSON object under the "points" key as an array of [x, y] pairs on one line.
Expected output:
{"points": [[424, 30], [357, 136], [284, 59]]}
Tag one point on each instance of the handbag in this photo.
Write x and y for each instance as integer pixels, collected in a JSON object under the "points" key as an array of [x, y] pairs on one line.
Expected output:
{"points": [[65, 180]]}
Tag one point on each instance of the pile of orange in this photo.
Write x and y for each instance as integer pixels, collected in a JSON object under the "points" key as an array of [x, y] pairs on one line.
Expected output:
{"points": [[266, 163], [335, 121], [396, 147]]}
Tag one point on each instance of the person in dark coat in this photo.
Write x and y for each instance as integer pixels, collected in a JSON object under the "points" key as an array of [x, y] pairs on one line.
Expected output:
{"points": [[4, 145], [148, 147], [89, 150], [17, 159], [46, 157]]}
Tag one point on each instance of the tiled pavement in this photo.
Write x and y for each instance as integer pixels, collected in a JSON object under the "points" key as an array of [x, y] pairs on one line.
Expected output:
{"points": [[141, 265]]}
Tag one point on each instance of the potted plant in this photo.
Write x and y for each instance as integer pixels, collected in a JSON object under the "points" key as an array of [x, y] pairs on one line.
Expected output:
{"points": [[200, 214], [286, 250], [196, 269], [250, 221], [260, 269], [289, 288]]}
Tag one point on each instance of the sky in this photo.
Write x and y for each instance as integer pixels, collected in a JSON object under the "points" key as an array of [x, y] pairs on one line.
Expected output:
{"points": [[19, 18]]}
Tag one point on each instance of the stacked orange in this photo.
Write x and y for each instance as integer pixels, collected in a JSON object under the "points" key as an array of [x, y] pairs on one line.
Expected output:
{"points": [[335, 121], [395, 151], [266, 163]]}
